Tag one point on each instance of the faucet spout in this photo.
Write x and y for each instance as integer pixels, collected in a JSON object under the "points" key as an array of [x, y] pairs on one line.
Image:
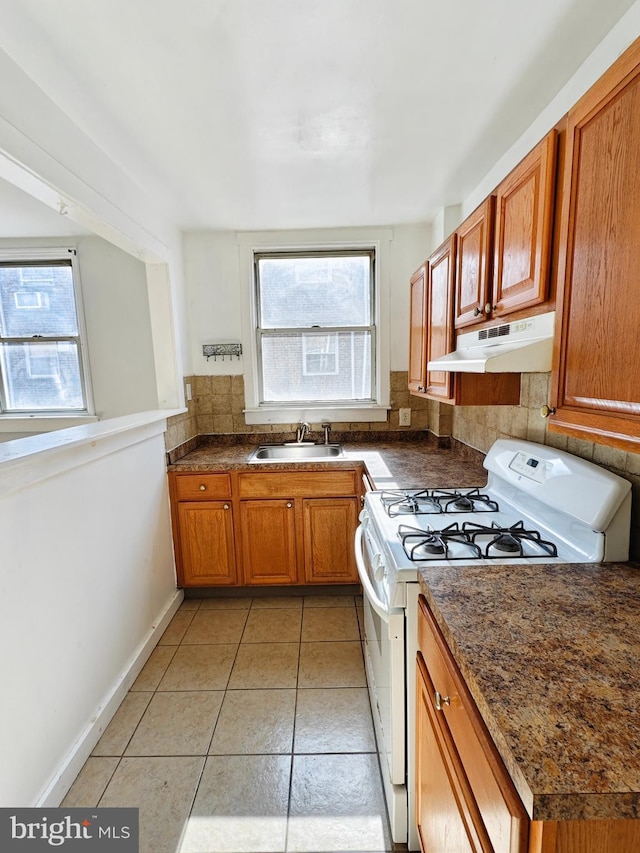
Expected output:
{"points": [[302, 430], [327, 428]]}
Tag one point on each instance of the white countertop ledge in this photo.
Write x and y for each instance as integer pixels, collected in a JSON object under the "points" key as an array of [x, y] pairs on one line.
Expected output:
{"points": [[25, 461]]}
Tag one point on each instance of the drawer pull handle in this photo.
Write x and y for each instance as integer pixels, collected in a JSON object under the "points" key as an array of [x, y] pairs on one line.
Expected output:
{"points": [[441, 700], [203, 488]]}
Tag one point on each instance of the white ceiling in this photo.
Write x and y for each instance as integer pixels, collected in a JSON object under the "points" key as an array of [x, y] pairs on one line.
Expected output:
{"points": [[263, 114]]}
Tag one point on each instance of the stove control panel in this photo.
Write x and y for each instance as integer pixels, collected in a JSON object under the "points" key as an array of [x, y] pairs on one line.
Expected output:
{"points": [[531, 467]]}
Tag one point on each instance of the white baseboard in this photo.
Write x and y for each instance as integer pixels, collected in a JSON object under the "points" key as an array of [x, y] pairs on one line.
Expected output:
{"points": [[74, 761]]}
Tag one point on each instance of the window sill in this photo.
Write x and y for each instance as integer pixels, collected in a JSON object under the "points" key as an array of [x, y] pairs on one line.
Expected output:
{"points": [[42, 423], [317, 414]]}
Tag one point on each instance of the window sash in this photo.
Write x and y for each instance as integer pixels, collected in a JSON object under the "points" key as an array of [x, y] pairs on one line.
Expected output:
{"points": [[367, 329], [38, 258]]}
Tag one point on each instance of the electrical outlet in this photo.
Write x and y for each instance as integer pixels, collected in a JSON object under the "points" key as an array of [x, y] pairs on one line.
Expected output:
{"points": [[187, 389], [404, 417]]}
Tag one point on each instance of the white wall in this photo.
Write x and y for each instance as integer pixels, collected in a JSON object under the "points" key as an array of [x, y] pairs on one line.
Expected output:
{"points": [[215, 287], [116, 308], [87, 577], [626, 31]]}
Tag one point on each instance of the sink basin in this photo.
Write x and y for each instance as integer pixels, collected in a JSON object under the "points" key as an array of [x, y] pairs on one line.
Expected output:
{"points": [[296, 452]]}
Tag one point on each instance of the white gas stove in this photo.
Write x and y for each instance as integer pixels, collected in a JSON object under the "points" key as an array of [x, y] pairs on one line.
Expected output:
{"points": [[539, 505]]}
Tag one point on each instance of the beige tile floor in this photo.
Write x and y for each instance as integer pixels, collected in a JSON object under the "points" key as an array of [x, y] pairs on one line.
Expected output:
{"points": [[248, 731]]}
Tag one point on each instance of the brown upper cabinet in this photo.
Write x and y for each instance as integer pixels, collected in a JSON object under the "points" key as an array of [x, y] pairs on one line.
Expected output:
{"points": [[474, 265], [418, 331], [504, 247], [432, 300], [439, 312], [595, 385]]}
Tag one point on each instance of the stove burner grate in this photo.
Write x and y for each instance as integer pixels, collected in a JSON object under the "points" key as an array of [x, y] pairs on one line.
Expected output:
{"points": [[435, 501], [420, 545], [459, 543], [508, 540]]}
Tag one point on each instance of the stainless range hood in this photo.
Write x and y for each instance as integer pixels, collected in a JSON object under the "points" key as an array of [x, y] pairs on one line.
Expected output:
{"points": [[523, 346]]}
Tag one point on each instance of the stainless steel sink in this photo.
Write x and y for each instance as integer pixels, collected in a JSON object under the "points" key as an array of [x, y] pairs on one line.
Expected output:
{"points": [[305, 452]]}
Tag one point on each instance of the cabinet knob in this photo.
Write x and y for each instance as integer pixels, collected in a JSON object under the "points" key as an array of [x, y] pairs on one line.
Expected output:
{"points": [[477, 311], [289, 505], [441, 700], [203, 488], [226, 506], [545, 411], [488, 308]]}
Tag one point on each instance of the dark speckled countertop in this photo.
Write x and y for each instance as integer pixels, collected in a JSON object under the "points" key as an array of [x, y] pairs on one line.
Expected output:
{"points": [[390, 464], [551, 655]]}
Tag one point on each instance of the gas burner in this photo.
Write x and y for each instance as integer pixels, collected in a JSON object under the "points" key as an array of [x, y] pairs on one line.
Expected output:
{"points": [[410, 503], [421, 545], [472, 501], [509, 541]]}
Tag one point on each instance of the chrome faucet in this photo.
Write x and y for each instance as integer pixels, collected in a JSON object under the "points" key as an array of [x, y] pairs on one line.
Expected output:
{"points": [[302, 430], [327, 430]]}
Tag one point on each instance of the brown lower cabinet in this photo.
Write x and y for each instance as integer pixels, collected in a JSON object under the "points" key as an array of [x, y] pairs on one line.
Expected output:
{"points": [[463, 789], [465, 799], [265, 528]]}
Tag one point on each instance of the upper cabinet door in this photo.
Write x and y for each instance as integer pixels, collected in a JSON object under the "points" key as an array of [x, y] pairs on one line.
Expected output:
{"points": [[440, 316], [418, 332], [524, 225], [595, 380], [473, 265]]}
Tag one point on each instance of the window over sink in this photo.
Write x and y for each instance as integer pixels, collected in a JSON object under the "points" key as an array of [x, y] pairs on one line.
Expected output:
{"points": [[315, 326]]}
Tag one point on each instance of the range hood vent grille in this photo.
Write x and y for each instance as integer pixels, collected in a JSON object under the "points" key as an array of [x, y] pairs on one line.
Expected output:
{"points": [[494, 332]]}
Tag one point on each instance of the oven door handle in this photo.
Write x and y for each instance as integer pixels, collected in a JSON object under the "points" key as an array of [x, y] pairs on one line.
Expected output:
{"points": [[378, 605]]}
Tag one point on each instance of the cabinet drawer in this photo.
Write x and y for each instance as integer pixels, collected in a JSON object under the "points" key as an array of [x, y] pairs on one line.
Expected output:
{"points": [[294, 484], [202, 487], [503, 814]]}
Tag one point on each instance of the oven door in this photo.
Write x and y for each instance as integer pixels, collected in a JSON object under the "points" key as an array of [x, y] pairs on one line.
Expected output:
{"points": [[384, 654]]}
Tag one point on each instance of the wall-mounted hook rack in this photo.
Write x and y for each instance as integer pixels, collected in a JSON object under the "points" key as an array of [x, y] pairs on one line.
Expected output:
{"points": [[222, 350]]}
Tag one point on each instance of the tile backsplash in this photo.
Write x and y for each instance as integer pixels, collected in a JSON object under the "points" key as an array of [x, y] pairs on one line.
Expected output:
{"points": [[218, 403]]}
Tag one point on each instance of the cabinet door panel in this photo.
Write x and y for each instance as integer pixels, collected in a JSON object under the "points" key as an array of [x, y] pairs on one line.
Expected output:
{"points": [[329, 528], [268, 541], [444, 820], [596, 384], [418, 331], [474, 259], [503, 816], [440, 317], [524, 222], [206, 544]]}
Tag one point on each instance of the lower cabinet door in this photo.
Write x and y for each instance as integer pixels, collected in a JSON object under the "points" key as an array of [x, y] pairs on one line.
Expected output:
{"points": [[445, 824], [268, 530], [206, 543], [329, 528]]}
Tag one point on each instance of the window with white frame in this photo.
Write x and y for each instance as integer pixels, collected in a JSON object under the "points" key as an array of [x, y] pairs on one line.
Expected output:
{"points": [[42, 365], [315, 326]]}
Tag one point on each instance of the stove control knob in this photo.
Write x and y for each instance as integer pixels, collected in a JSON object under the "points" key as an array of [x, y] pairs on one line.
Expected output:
{"points": [[379, 568]]}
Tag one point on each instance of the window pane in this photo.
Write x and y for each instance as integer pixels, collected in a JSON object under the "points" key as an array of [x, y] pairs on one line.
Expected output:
{"points": [[37, 300], [42, 376], [307, 367], [322, 291]]}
